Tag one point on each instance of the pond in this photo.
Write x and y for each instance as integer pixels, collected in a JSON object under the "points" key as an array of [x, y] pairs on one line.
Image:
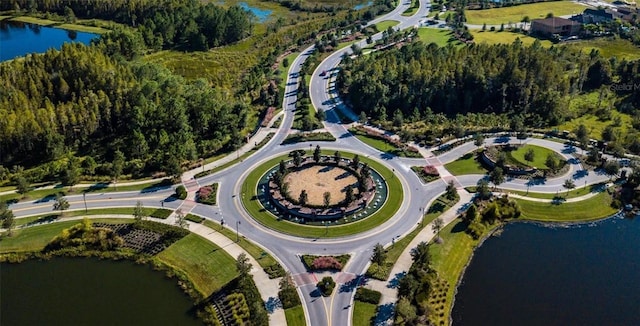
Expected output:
{"points": [[262, 14], [18, 39], [362, 5], [79, 291], [541, 275]]}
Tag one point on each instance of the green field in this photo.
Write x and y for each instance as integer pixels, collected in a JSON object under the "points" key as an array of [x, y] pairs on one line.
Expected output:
{"points": [[37, 237], [504, 37], [256, 210], [382, 145], [515, 14], [439, 36], [609, 47], [572, 194], [540, 156], [415, 5], [208, 266], [57, 24], [295, 316], [467, 164], [595, 126], [363, 313], [594, 208], [384, 25]]}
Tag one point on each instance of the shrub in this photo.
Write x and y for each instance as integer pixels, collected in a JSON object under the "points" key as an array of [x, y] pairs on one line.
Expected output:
{"points": [[430, 170], [194, 218], [181, 192], [366, 295], [207, 194], [326, 262], [326, 286]]}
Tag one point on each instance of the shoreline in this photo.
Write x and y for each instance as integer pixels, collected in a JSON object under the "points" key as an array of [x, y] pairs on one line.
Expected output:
{"points": [[500, 227], [75, 27]]}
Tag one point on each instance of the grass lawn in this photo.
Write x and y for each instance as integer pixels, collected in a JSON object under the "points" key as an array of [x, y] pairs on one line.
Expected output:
{"points": [[384, 25], [295, 316], [594, 125], [415, 5], [57, 24], [439, 36], [43, 218], [594, 208], [439, 206], [450, 258], [540, 155], [37, 237], [208, 266], [467, 164], [263, 258], [505, 37], [572, 194], [378, 144], [363, 313], [609, 47], [253, 206], [515, 14]]}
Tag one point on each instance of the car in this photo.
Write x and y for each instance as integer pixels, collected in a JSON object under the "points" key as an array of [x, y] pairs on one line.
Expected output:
{"points": [[323, 73]]}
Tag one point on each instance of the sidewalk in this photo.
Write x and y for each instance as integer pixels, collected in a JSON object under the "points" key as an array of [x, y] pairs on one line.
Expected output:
{"points": [[388, 288], [267, 287]]}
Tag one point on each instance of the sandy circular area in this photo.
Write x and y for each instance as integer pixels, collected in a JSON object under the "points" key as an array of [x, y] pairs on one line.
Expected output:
{"points": [[317, 180]]}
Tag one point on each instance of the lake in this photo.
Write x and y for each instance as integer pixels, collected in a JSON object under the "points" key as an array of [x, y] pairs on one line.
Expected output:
{"points": [[18, 39], [542, 275], [89, 291], [262, 14]]}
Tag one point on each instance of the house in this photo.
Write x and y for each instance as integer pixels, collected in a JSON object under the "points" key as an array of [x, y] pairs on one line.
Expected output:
{"points": [[555, 26], [629, 14], [595, 16]]}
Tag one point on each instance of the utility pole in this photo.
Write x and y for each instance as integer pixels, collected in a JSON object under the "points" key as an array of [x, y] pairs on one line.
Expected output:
{"points": [[237, 233]]}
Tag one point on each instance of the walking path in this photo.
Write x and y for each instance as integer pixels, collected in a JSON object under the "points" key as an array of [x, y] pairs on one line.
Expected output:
{"points": [[388, 288], [267, 287]]}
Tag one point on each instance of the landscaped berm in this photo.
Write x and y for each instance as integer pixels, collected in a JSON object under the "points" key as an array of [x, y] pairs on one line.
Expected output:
{"points": [[318, 180]]}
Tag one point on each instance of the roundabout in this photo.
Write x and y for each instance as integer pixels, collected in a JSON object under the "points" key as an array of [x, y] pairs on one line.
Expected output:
{"points": [[340, 200]]}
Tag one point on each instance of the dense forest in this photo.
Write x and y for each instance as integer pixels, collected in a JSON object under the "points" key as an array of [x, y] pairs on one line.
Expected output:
{"points": [[186, 24], [80, 99], [532, 83]]}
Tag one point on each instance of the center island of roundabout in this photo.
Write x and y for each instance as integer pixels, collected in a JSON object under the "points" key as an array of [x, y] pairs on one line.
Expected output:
{"points": [[323, 195]]}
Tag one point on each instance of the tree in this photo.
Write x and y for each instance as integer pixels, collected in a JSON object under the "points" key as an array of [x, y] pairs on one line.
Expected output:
{"points": [[478, 139], [502, 27], [582, 135], [355, 162], [436, 226], [497, 176], [22, 185], [181, 221], [348, 195], [327, 199], [60, 204], [303, 198], [337, 156], [611, 168], [525, 20], [452, 192], [551, 163], [89, 165], [530, 155], [282, 167], [379, 255], [405, 311], [484, 27], [421, 256], [138, 212], [569, 184], [471, 214], [297, 158], [284, 189], [117, 165], [243, 266], [482, 189], [317, 154], [363, 118], [7, 219], [287, 294], [594, 155], [71, 174]]}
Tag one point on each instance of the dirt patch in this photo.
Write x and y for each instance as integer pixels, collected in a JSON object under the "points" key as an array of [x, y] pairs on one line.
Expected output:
{"points": [[317, 180]]}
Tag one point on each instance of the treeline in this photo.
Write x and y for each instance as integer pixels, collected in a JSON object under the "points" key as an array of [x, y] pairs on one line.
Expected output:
{"points": [[80, 100], [531, 82], [188, 24]]}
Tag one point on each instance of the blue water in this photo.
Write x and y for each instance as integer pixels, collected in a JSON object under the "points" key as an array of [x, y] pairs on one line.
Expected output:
{"points": [[19, 39], [362, 5], [262, 14], [538, 275]]}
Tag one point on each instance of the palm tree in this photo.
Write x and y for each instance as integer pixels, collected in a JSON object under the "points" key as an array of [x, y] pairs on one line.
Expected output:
{"points": [[569, 184]]}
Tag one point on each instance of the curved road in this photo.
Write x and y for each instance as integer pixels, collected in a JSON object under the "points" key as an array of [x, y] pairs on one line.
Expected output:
{"points": [[334, 310]]}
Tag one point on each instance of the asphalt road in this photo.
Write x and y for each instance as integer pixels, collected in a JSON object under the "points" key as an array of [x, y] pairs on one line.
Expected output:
{"points": [[334, 310]]}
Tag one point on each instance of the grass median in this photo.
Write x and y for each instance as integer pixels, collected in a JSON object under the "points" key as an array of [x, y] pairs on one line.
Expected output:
{"points": [[295, 316], [255, 209], [161, 213], [594, 208], [467, 164]]}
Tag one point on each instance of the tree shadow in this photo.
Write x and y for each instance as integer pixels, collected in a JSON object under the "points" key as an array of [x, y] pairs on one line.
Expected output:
{"points": [[351, 285], [384, 314], [387, 156], [46, 198], [315, 293], [501, 140], [44, 219], [395, 281], [272, 304], [461, 226], [97, 187]]}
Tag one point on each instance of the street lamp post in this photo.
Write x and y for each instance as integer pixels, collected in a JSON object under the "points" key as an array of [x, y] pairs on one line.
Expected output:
{"points": [[84, 197], [237, 233]]}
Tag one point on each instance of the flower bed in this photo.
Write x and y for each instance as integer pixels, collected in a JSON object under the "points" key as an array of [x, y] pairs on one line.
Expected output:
{"points": [[426, 173], [322, 263], [207, 194]]}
